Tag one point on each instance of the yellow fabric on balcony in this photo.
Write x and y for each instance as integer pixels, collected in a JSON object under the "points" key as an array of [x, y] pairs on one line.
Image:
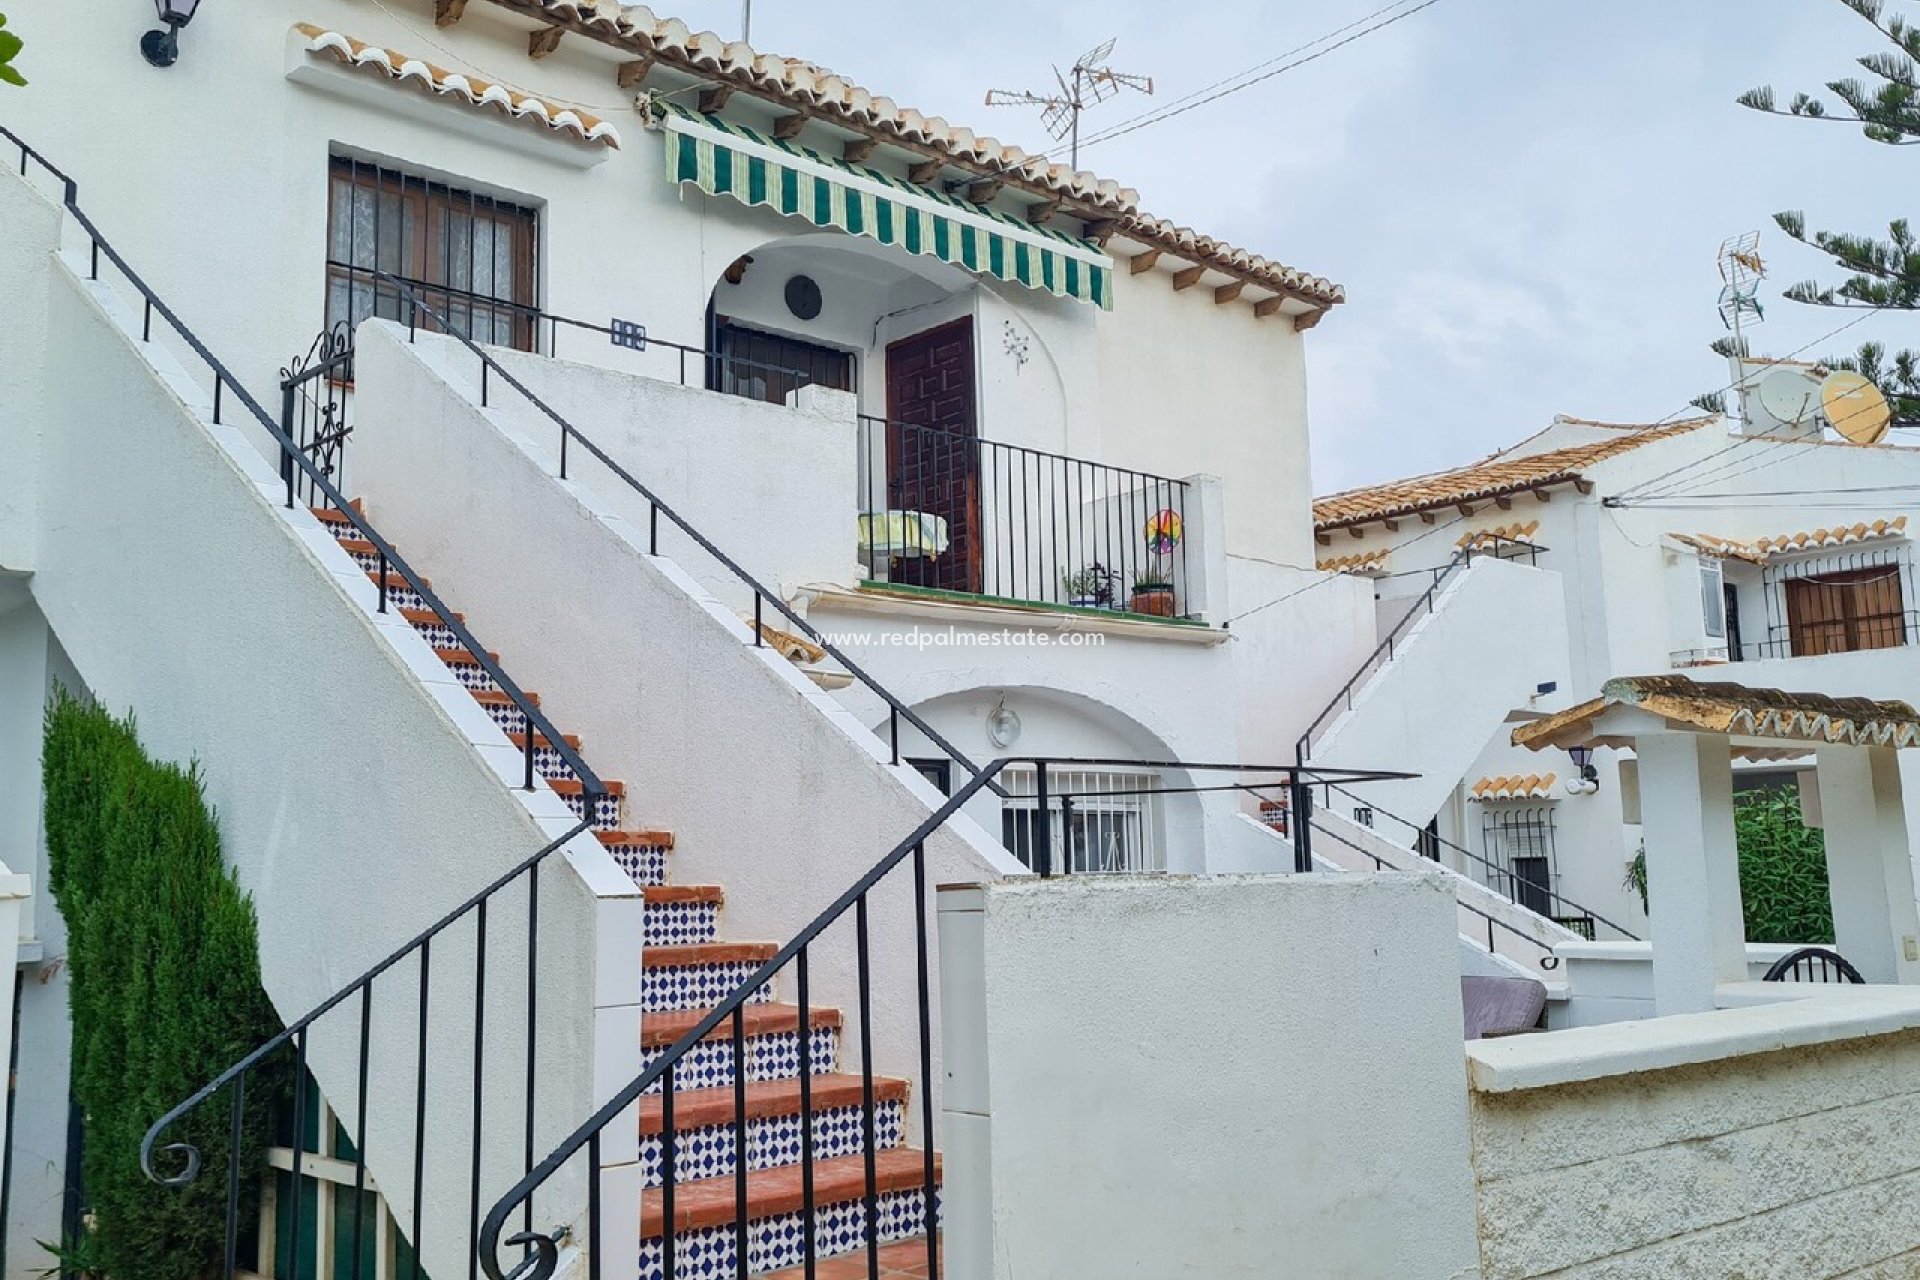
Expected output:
{"points": [[902, 533]]}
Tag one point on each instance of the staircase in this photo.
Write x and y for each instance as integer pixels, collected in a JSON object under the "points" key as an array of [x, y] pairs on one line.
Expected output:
{"points": [[687, 969]]}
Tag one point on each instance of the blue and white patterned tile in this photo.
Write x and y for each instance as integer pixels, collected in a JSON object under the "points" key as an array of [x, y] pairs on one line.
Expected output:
{"points": [[437, 633], [507, 716], [775, 1056], [696, 986], [646, 863], [776, 1242], [679, 924], [773, 1141], [606, 816]]}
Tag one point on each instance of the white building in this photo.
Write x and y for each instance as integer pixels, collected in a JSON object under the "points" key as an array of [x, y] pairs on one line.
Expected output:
{"points": [[1768, 558]]}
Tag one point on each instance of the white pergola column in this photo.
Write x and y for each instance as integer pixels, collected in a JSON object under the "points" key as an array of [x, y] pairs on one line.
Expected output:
{"points": [[1693, 868], [1869, 867]]}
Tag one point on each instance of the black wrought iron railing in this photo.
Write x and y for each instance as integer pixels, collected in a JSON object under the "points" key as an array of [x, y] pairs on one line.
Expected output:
{"points": [[569, 437], [1814, 964], [1525, 887], [539, 1251], [947, 510], [308, 481], [1495, 926], [316, 398]]}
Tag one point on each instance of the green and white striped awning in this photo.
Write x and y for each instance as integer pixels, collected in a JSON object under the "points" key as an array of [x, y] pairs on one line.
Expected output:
{"points": [[726, 159]]}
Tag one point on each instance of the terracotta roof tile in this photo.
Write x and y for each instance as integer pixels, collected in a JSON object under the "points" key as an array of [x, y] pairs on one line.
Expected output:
{"points": [[1731, 709], [1501, 474], [1518, 531], [1761, 550], [475, 92], [1365, 562], [805, 85], [1531, 786]]}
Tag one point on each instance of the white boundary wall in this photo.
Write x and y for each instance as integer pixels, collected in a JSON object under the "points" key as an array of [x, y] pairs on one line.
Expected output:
{"points": [[1771, 1143], [360, 791]]}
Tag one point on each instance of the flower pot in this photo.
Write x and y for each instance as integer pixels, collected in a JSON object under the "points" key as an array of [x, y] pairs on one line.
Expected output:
{"points": [[1156, 600]]}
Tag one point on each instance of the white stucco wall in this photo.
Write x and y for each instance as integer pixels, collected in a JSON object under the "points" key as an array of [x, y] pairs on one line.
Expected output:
{"points": [[1157, 1086], [617, 240], [1496, 633], [337, 752], [771, 790], [1770, 1143]]}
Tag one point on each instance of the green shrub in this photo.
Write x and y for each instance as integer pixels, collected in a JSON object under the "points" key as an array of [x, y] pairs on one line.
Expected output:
{"points": [[164, 961], [1783, 870]]}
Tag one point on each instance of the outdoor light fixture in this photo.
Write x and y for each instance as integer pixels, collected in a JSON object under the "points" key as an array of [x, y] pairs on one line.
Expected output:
{"points": [[162, 48], [1003, 726], [1588, 780]]}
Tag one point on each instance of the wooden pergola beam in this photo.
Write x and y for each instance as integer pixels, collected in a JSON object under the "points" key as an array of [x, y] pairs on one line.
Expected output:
{"points": [[544, 41], [631, 74], [1141, 263], [448, 12], [1187, 277]]}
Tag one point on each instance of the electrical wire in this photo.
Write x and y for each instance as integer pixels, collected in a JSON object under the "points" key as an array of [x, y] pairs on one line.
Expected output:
{"points": [[1235, 84]]}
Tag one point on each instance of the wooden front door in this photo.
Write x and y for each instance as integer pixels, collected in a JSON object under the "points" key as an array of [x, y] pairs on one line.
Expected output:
{"points": [[933, 452]]}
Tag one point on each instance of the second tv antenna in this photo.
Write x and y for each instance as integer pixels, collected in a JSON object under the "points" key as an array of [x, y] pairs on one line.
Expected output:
{"points": [[1090, 81]]}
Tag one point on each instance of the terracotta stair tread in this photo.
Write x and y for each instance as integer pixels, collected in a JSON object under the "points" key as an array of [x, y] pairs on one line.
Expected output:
{"points": [[395, 582], [707, 953], [499, 698], [574, 787], [428, 618], [661, 895], [709, 1202], [541, 740], [650, 839], [453, 656], [658, 1030], [701, 1108], [901, 1260]]}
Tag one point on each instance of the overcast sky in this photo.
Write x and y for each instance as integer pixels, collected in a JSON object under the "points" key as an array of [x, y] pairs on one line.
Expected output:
{"points": [[1522, 197]]}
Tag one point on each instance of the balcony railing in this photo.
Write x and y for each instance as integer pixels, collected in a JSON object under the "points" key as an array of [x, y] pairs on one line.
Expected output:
{"points": [[947, 511]]}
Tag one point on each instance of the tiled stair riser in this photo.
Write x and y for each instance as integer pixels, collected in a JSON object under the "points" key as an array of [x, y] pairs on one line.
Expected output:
{"points": [[679, 924], [774, 1056], [696, 986], [646, 863], [606, 817], [402, 596], [507, 716], [472, 675], [772, 1243], [438, 634], [773, 1141]]}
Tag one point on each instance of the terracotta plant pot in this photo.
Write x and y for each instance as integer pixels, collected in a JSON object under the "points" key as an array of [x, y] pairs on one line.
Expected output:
{"points": [[1155, 600]]}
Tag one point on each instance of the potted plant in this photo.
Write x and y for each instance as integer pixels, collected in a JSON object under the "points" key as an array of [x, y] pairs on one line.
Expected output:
{"points": [[1152, 593], [1089, 587]]}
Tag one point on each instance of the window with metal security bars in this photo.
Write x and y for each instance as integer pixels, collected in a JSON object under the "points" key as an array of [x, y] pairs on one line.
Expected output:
{"points": [[1100, 822], [472, 258], [769, 366], [1846, 611], [1519, 842]]}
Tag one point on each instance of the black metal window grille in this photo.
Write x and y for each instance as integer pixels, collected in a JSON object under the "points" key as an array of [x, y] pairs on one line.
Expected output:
{"points": [[1839, 604], [473, 258], [1099, 821], [771, 366], [1519, 842]]}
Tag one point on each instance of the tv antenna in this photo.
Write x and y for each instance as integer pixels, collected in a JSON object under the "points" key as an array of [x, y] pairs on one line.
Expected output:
{"points": [[1088, 83], [1741, 271]]}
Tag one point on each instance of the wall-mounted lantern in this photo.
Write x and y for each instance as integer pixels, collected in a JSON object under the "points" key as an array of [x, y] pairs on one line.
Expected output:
{"points": [[162, 48], [1587, 778]]}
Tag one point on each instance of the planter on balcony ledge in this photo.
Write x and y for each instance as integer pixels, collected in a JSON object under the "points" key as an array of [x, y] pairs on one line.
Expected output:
{"points": [[1155, 598]]}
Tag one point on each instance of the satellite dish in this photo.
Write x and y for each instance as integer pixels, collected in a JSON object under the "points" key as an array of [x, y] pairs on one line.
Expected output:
{"points": [[1788, 396], [1855, 407]]}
